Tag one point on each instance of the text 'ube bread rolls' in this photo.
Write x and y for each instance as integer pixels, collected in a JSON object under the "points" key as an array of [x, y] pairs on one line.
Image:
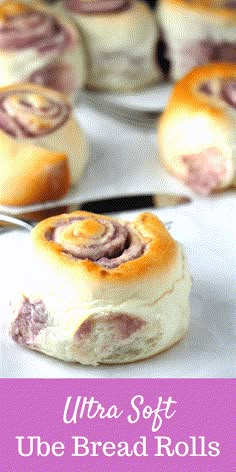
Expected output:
{"points": [[120, 37], [42, 149], [104, 290], [196, 133], [40, 47], [197, 32]]}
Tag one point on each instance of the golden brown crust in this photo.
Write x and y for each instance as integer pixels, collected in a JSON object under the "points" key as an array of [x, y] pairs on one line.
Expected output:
{"points": [[12, 8], [186, 91], [159, 256], [194, 122], [206, 8], [186, 98], [30, 174]]}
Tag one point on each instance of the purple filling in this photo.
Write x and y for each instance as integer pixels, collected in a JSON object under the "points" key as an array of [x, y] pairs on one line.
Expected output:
{"points": [[126, 325], [97, 6], [13, 125], [195, 53], [206, 88], [228, 92], [122, 325], [30, 319], [85, 330], [225, 92], [223, 52], [204, 170], [209, 51], [34, 29], [231, 5], [117, 245]]}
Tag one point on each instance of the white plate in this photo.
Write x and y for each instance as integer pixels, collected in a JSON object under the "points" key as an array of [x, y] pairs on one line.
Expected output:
{"points": [[151, 99], [208, 350]]}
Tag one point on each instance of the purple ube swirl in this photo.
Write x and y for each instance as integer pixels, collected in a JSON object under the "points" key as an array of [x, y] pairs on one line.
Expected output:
{"points": [[26, 113], [230, 4], [223, 89], [118, 243], [31, 28], [228, 92]]}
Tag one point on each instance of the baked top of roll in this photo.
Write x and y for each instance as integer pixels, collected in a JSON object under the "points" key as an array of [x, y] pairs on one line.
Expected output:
{"points": [[218, 8], [30, 111], [209, 88], [196, 132], [103, 247], [24, 26]]}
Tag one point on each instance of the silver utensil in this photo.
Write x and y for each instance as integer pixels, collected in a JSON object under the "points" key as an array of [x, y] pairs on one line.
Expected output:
{"points": [[27, 220], [10, 221], [132, 116]]}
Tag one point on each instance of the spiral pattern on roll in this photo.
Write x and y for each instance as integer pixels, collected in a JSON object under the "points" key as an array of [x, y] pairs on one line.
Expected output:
{"points": [[107, 242], [222, 89], [31, 112], [22, 27]]}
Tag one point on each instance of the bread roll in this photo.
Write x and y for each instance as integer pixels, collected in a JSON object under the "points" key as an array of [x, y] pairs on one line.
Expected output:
{"points": [[42, 148], [103, 290], [197, 32], [196, 133], [39, 46], [120, 37]]}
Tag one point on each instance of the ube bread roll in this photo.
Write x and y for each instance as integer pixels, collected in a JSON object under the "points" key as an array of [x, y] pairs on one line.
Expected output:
{"points": [[196, 132], [40, 47], [120, 37], [42, 148], [103, 290], [197, 32]]}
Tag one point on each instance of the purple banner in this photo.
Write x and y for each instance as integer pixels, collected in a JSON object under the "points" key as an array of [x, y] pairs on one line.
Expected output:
{"points": [[132, 425]]}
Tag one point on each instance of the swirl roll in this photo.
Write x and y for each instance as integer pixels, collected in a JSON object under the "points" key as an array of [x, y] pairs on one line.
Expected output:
{"points": [[104, 290], [196, 133], [120, 38], [197, 32], [42, 148], [41, 47]]}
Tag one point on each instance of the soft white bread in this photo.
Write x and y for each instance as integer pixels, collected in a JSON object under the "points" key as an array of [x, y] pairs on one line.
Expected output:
{"points": [[196, 133], [103, 290], [39, 46], [197, 32], [42, 148], [121, 44]]}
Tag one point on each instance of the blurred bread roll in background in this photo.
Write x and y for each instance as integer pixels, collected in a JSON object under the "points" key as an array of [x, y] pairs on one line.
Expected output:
{"points": [[120, 37], [196, 132], [40, 46], [43, 150], [197, 32]]}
